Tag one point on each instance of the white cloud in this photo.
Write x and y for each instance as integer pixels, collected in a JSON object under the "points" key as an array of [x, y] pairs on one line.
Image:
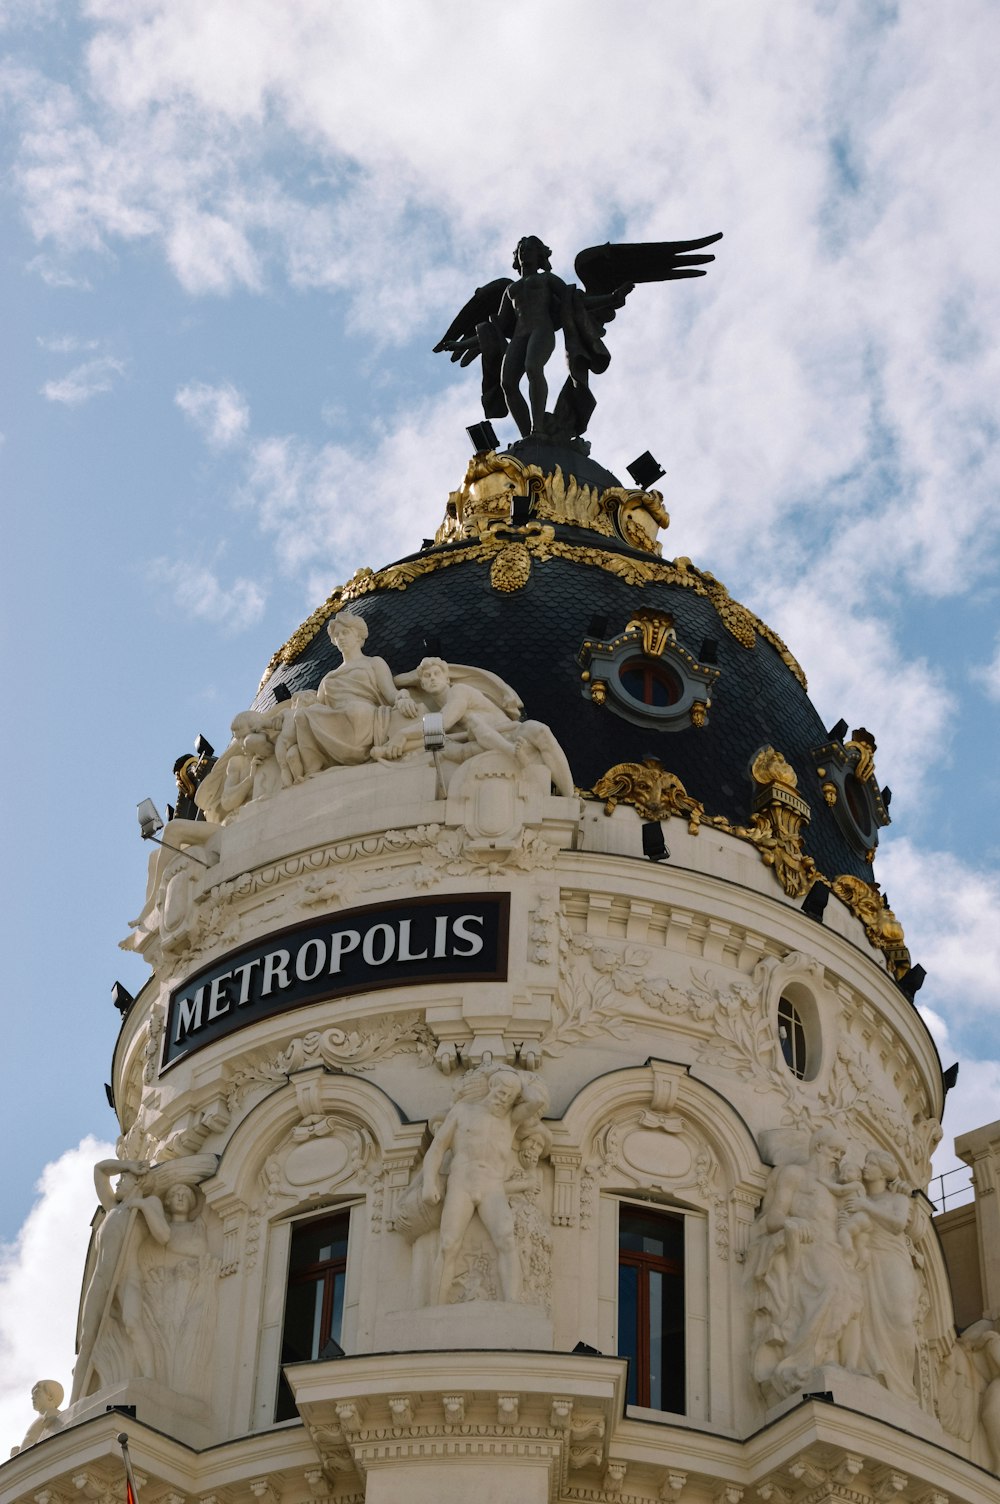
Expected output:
{"points": [[66, 344], [197, 591], [220, 412], [988, 675], [950, 917], [84, 381], [40, 1276]]}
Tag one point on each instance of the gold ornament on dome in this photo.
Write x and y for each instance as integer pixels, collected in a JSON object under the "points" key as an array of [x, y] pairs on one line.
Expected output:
{"points": [[477, 526], [774, 830], [650, 789], [656, 628], [511, 569], [862, 746]]}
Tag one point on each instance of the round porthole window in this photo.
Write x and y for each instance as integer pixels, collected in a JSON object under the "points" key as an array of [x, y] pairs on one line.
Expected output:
{"points": [[649, 682]]}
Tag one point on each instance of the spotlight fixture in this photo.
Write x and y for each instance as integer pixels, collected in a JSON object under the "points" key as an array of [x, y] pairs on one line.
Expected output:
{"points": [[482, 436], [108, 1092], [949, 1078], [645, 470], [838, 732], [816, 901], [520, 510], [887, 796], [203, 746], [150, 823], [587, 1351], [432, 645], [911, 982], [121, 998], [425, 544], [331, 1349], [433, 731], [598, 627], [709, 650], [171, 812], [653, 844], [149, 819], [282, 693]]}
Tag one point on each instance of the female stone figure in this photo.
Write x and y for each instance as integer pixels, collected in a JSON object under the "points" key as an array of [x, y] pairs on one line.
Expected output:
{"points": [[891, 1288], [178, 1277], [351, 713]]}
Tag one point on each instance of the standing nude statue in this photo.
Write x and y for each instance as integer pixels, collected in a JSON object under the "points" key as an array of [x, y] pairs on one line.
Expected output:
{"points": [[480, 1134]]}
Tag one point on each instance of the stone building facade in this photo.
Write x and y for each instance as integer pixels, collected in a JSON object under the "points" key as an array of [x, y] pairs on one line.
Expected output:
{"points": [[528, 1100]]}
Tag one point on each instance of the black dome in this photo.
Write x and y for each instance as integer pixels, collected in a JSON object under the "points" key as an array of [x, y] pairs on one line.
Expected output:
{"points": [[531, 636]]}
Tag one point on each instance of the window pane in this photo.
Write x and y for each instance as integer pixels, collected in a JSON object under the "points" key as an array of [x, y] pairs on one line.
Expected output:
{"points": [[651, 1307], [319, 1242], [656, 1233], [628, 1326]]}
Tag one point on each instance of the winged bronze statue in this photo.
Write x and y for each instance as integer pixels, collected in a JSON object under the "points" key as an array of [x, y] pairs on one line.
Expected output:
{"points": [[511, 325]]}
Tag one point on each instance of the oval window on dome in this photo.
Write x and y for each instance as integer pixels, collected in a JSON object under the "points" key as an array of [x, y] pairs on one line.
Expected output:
{"points": [[650, 682], [859, 807]]}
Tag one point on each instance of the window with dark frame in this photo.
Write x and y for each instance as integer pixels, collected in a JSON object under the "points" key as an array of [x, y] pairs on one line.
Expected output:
{"points": [[314, 1301], [651, 1307], [649, 682], [792, 1036]]}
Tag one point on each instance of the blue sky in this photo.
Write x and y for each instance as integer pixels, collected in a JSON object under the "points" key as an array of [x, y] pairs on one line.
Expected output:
{"points": [[233, 231]]}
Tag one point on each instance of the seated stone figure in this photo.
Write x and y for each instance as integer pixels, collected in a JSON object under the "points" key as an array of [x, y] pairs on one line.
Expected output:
{"points": [[479, 713]]}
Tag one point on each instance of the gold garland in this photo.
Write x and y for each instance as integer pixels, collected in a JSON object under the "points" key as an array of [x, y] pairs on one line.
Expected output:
{"points": [[656, 795], [540, 543]]}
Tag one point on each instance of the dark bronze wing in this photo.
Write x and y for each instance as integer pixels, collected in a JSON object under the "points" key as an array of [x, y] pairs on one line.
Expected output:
{"points": [[604, 268], [483, 305]]}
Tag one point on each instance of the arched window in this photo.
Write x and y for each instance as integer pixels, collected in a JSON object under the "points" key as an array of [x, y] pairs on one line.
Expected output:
{"points": [[651, 1307]]}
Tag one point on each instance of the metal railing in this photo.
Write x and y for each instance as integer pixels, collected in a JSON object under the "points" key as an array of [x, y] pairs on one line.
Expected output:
{"points": [[951, 1189]]}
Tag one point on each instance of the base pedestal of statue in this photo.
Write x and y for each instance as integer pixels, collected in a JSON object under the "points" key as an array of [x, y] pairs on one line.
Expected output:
{"points": [[470, 1324], [177, 1414], [855, 1391]]}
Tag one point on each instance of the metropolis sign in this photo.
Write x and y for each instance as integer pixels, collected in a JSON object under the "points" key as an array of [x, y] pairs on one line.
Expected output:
{"points": [[461, 937]]}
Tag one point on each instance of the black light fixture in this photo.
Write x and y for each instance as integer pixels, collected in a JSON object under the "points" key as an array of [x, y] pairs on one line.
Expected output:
{"points": [[171, 812], [122, 998], [331, 1349], [949, 1078], [911, 982], [598, 627], [425, 544], [587, 1351], [653, 845], [815, 901], [432, 645], [520, 510], [110, 1095], [838, 732], [709, 650], [645, 470], [482, 436], [203, 746], [282, 693], [887, 796]]}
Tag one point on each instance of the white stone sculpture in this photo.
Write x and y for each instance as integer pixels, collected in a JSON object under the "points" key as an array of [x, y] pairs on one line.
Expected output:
{"points": [[135, 1322], [479, 713], [890, 1285], [532, 1230], [111, 1290], [493, 1107], [46, 1397], [809, 1297], [178, 1277], [354, 705]]}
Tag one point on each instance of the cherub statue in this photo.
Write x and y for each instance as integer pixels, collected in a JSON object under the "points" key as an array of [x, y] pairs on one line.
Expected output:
{"points": [[512, 325], [46, 1397]]}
